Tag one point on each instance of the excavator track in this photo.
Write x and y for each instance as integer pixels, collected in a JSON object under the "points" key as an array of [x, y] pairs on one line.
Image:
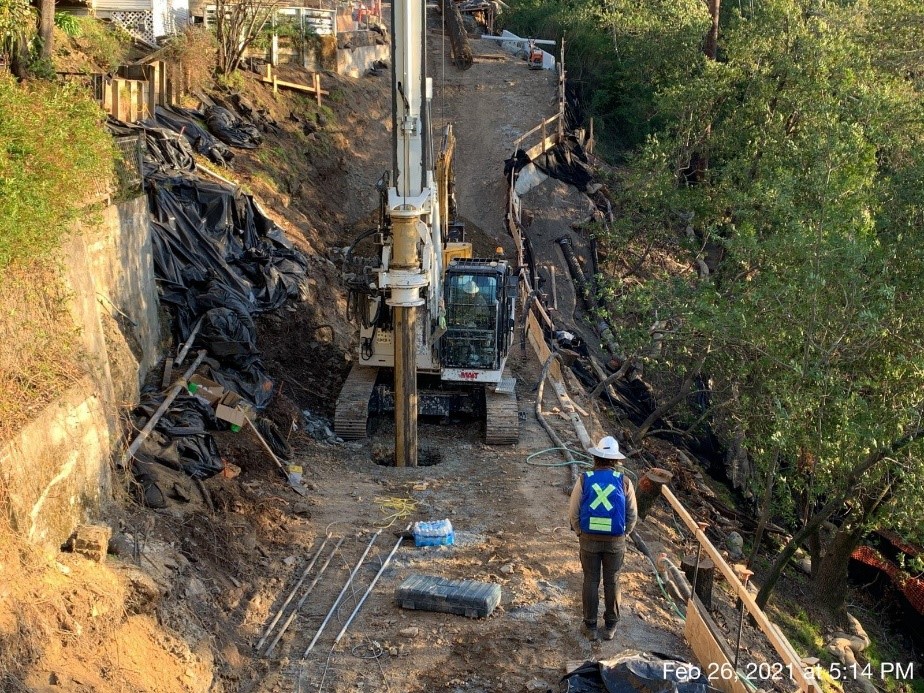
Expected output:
{"points": [[502, 417], [352, 414]]}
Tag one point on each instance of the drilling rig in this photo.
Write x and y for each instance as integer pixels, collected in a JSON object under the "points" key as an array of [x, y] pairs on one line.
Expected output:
{"points": [[436, 324]]}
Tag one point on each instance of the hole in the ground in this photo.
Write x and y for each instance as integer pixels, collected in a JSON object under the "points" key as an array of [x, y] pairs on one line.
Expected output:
{"points": [[426, 457]]}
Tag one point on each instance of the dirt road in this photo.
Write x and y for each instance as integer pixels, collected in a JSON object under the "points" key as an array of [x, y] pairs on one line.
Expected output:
{"points": [[509, 517]]}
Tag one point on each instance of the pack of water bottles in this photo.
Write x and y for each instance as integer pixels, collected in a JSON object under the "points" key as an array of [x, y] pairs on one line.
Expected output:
{"points": [[438, 533]]}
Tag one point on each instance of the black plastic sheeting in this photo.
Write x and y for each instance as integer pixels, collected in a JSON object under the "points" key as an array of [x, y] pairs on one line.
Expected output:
{"points": [[232, 129], [566, 161], [217, 257], [184, 444], [633, 674], [192, 125]]}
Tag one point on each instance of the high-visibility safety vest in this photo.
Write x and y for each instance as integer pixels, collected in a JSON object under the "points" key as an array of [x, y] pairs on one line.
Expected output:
{"points": [[603, 503]]}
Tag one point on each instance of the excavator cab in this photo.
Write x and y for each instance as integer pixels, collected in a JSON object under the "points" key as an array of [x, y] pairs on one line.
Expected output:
{"points": [[479, 303]]}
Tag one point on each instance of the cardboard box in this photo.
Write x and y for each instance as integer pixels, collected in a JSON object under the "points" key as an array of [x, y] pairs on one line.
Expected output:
{"points": [[227, 410], [207, 389]]}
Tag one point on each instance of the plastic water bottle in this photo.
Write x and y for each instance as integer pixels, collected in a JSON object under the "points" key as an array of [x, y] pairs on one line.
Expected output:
{"points": [[437, 533]]}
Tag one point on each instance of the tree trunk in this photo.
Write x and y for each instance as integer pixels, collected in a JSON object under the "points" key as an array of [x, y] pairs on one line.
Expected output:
{"points": [[765, 508], [814, 544], [712, 38], [832, 506], [46, 27], [829, 581]]}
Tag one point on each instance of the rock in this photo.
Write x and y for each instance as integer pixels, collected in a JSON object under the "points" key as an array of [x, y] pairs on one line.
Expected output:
{"points": [[735, 545], [393, 651], [143, 593], [804, 565], [410, 632], [537, 685], [122, 545], [289, 560], [507, 569], [92, 541], [302, 508], [195, 587]]}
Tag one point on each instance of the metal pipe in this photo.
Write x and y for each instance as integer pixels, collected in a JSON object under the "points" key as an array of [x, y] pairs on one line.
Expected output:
{"points": [[298, 584], [189, 343], [152, 422], [301, 601], [369, 589], [346, 586]]}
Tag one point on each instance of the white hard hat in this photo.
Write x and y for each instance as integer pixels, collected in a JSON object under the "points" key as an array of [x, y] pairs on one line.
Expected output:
{"points": [[608, 449], [470, 287]]}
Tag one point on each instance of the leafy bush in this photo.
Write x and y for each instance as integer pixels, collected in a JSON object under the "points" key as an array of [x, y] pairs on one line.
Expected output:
{"points": [[17, 24], [54, 155], [67, 23]]}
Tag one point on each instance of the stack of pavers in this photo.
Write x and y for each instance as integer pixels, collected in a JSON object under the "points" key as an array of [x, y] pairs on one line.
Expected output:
{"points": [[464, 597]]}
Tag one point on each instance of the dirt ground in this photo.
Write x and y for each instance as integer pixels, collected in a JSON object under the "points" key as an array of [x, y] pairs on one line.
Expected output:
{"points": [[193, 589]]}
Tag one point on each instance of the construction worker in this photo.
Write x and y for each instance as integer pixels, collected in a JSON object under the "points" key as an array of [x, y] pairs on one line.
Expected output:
{"points": [[602, 512], [471, 311]]}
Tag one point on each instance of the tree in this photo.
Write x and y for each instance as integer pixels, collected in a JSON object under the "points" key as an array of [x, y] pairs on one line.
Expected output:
{"points": [[16, 22], [237, 25], [813, 317], [46, 27]]}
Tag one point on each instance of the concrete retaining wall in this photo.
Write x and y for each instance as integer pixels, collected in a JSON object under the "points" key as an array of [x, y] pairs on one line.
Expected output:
{"points": [[55, 473], [355, 62]]}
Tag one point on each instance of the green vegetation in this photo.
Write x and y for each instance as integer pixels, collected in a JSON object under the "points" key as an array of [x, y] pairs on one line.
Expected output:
{"points": [[54, 156], [780, 191], [107, 44], [17, 26], [68, 23]]}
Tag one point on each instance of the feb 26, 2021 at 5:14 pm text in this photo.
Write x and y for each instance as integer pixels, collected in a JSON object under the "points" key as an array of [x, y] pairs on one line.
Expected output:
{"points": [[901, 671]]}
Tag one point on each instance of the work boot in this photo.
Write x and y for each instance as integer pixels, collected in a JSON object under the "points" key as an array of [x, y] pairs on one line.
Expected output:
{"points": [[609, 632], [590, 630]]}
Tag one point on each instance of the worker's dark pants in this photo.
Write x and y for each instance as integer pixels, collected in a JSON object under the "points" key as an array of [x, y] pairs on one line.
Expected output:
{"points": [[601, 559]]}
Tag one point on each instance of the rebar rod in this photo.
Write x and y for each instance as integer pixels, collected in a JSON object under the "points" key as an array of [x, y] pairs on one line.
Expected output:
{"points": [[369, 589], [346, 586], [298, 584], [301, 601]]}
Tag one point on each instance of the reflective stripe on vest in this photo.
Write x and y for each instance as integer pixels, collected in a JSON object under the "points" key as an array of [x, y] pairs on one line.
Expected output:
{"points": [[602, 494]]}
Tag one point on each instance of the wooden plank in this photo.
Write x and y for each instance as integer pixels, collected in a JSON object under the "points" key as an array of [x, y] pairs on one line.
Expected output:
{"points": [[536, 338], [712, 659], [546, 144], [547, 121], [292, 85], [779, 642]]}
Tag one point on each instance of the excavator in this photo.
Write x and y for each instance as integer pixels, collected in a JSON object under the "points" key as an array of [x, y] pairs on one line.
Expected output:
{"points": [[435, 323]]}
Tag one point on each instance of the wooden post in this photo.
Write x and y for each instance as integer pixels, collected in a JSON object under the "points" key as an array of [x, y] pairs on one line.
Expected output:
{"points": [[162, 84], [649, 489], [133, 100], [153, 79], [316, 80], [116, 109], [405, 321], [705, 577]]}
